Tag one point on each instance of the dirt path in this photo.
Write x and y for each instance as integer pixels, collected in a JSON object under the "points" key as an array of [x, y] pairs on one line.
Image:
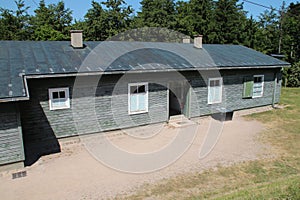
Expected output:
{"points": [[75, 174]]}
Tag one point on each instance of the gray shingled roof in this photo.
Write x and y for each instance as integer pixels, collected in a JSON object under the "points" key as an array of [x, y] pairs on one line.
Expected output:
{"points": [[19, 58]]}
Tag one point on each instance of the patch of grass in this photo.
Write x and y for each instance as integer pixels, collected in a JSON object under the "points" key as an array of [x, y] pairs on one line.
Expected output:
{"points": [[284, 126], [289, 188], [277, 178]]}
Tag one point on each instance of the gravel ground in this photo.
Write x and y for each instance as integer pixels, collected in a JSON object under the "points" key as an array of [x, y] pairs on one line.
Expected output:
{"points": [[75, 173]]}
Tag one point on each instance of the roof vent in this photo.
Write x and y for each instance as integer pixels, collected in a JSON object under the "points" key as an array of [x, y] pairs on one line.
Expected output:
{"points": [[186, 40], [198, 41], [76, 39]]}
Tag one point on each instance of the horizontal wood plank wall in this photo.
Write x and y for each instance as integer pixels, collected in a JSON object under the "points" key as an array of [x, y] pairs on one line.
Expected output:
{"points": [[232, 93], [11, 142], [110, 106], [110, 98]]}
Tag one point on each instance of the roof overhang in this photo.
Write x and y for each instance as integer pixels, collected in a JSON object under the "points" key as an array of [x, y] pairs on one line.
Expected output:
{"points": [[22, 98], [14, 99], [90, 73]]}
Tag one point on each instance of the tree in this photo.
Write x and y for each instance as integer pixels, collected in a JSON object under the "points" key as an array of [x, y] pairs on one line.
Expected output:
{"points": [[51, 22], [268, 35], [156, 13], [230, 20], [7, 25], [100, 23], [291, 30], [94, 24], [292, 75], [14, 24], [250, 33], [195, 17], [291, 43], [183, 18], [118, 16]]}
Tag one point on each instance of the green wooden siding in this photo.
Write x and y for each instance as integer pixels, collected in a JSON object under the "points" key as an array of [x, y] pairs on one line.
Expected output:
{"points": [[110, 108], [111, 104], [233, 91], [11, 143]]}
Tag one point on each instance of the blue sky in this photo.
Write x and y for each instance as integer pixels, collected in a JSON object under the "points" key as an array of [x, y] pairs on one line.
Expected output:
{"points": [[80, 7]]}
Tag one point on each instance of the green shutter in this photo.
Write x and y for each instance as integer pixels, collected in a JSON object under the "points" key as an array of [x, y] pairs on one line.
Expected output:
{"points": [[248, 87]]}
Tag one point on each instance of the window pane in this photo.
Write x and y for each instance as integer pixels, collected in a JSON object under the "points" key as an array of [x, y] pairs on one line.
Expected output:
{"points": [[217, 95], [210, 94], [142, 89], [58, 103], [55, 95], [215, 91], [133, 103], [257, 79], [62, 94], [142, 102], [59, 98], [257, 86], [138, 98], [257, 90], [133, 90], [55, 101]]}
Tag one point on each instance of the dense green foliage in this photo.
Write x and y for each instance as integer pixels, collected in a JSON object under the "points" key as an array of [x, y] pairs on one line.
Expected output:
{"points": [[222, 21], [101, 23]]}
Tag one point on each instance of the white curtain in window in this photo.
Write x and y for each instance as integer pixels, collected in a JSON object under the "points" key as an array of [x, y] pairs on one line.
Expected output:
{"points": [[133, 103], [142, 102], [214, 93], [257, 89]]}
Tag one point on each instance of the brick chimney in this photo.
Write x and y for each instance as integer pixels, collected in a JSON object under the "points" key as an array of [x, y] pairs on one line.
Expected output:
{"points": [[76, 39], [198, 41]]}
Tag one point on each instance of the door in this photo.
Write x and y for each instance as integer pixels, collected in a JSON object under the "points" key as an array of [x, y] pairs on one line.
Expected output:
{"points": [[179, 98]]}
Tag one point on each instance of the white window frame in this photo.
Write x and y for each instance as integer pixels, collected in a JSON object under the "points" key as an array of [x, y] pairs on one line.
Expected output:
{"points": [[67, 98], [209, 90], [129, 97], [262, 86]]}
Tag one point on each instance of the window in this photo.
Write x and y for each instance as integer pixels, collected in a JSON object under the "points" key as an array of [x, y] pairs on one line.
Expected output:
{"points": [[215, 90], [59, 98], [253, 86], [137, 98], [258, 86]]}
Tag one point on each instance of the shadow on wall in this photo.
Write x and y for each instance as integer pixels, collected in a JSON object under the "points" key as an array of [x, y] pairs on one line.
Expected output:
{"points": [[38, 136]]}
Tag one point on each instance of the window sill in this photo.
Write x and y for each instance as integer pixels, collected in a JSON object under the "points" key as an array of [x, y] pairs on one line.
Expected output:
{"points": [[136, 113], [62, 108], [211, 103]]}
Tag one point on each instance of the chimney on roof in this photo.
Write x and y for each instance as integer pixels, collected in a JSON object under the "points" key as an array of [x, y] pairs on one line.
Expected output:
{"points": [[198, 41], [76, 39], [186, 40]]}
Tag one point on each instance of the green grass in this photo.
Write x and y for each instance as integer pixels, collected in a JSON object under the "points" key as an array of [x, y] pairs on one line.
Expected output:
{"points": [[277, 178], [287, 188]]}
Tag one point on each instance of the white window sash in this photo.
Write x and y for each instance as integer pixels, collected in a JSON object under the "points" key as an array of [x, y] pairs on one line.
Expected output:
{"points": [[215, 92], [137, 103], [60, 103], [258, 88]]}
